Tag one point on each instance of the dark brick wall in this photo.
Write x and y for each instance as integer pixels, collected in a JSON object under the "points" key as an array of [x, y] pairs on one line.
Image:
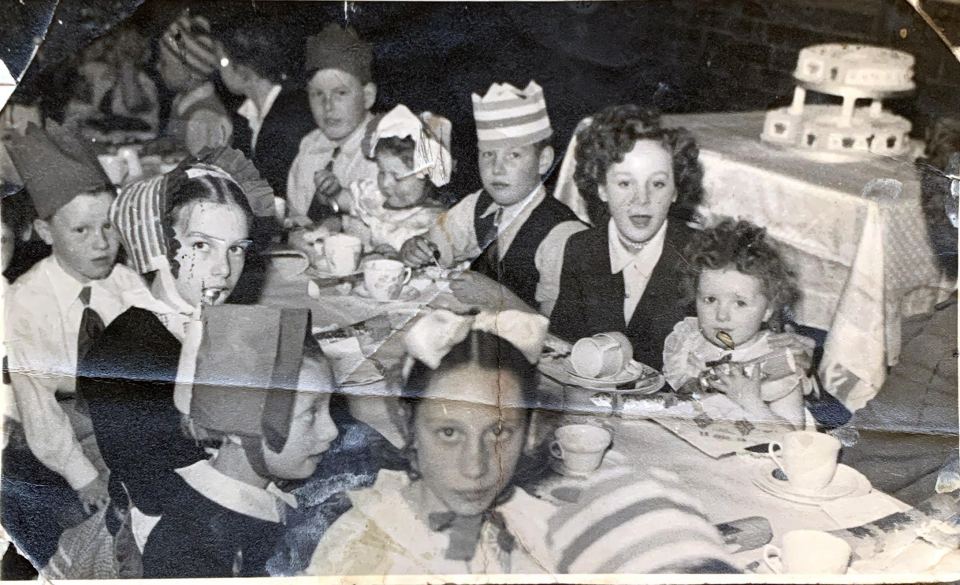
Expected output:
{"points": [[740, 54]]}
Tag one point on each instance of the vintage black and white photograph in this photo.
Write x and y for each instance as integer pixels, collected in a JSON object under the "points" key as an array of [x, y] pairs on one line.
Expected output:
{"points": [[480, 291]]}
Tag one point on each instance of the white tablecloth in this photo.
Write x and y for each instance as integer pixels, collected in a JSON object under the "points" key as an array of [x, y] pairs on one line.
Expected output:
{"points": [[724, 485], [854, 232]]}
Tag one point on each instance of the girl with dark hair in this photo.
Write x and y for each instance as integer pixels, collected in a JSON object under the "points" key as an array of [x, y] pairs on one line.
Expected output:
{"points": [[639, 180], [743, 291], [469, 394], [189, 231]]}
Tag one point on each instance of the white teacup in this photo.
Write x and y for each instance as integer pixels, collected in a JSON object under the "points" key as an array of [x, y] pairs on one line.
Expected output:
{"points": [[342, 252], [384, 279], [808, 458], [602, 355], [581, 447], [808, 552]]}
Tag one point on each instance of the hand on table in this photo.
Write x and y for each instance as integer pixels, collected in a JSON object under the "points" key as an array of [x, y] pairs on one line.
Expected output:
{"points": [[94, 496], [418, 251], [471, 288]]}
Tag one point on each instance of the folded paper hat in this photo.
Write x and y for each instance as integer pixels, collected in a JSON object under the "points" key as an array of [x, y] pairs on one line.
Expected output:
{"points": [[339, 48], [508, 117], [138, 212], [247, 369], [56, 166], [188, 40], [430, 134]]}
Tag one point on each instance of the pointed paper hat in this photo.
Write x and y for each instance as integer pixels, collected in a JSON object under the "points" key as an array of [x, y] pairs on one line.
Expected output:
{"points": [[508, 117], [55, 166], [430, 134], [339, 48], [247, 370]]}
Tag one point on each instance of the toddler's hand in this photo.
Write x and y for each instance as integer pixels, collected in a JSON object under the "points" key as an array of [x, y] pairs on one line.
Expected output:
{"points": [[739, 386], [418, 251]]}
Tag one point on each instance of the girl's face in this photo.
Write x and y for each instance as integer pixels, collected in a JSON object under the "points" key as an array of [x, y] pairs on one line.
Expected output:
{"points": [[731, 301], [311, 428], [213, 247], [639, 190], [468, 447], [400, 188]]}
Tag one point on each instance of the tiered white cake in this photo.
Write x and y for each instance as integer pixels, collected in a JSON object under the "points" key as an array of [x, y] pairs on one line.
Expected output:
{"points": [[851, 72]]}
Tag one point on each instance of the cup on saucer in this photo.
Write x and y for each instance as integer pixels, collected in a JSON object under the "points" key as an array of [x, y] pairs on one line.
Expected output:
{"points": [[807, 458], [384, 279], [808, 552], [580, 447], [342, 252], [601, 355]]}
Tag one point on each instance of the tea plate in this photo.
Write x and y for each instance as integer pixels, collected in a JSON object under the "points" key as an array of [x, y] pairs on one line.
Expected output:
{"points": [[409, 293], [556, 464], [847, 482], [631, 373]]}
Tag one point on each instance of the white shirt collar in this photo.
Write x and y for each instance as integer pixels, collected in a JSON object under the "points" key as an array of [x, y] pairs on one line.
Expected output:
{"points": [[66, 288], [622, 256], [187, 99], [511, 211], [233, 494], [249, 108]]}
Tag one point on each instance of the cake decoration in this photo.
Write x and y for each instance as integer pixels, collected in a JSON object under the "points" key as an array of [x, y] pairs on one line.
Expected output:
{"points": [[856, 74]]}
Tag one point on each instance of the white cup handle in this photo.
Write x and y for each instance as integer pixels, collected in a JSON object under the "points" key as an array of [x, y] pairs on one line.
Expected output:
{"points": [[772, 558], [556, 449], [408, 272], [770, 447]]}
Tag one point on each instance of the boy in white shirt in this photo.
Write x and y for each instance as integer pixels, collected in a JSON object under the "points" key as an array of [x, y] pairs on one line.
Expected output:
{"points": [[341, 92], [53, 314]]}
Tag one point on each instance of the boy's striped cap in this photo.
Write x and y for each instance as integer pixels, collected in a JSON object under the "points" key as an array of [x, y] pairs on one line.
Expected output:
{"points": [[508, 117], [137, 214], [636, 524], [188, 40]]}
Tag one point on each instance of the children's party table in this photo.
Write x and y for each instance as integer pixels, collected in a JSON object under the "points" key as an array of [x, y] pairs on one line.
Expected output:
{"points": [[726, 485]]}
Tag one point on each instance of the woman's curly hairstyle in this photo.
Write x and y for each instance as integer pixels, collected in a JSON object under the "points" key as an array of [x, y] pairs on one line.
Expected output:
{"points": [[745, 247], [612, 134]]}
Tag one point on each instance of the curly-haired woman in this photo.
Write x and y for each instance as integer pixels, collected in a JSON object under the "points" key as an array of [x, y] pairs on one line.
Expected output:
{"points": [[624, 273]]}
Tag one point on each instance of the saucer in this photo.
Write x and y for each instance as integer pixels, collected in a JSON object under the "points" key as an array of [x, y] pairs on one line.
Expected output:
{"points": [[847, 482], [631, 373], [322, 270], [556, 464], [409, 293]]}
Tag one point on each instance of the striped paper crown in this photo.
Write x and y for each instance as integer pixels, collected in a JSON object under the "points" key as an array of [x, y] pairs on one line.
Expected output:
{"points": [[508, 117], [188, 40]]}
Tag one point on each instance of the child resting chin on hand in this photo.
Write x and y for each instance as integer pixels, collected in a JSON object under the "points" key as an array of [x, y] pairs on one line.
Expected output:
{"points": [[742, 288]]}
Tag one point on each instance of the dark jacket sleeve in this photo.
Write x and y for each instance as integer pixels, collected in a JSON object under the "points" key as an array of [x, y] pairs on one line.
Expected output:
{"points": [[127, 380]]}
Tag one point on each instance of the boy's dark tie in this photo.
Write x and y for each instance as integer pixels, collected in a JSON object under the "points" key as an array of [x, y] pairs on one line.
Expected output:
{"points": [[321, 209], [488, 263], [91, 326]]}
